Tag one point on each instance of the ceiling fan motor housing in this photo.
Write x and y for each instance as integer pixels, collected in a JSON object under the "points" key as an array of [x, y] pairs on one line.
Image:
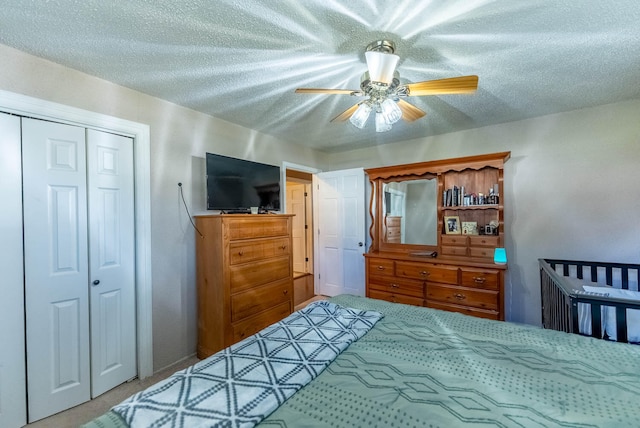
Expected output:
{"points": [[385, 46]]}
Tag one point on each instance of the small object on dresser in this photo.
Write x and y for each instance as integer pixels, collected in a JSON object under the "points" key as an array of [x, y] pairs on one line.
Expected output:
{"points": [[500, 256], [452, 225], [469, 228]]}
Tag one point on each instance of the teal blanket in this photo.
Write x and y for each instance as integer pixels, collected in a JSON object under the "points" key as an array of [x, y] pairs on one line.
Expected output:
{"points": [[420, 367]]}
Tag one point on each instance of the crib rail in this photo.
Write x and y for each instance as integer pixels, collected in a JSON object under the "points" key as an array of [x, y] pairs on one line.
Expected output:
{"points": [[560, 298]]}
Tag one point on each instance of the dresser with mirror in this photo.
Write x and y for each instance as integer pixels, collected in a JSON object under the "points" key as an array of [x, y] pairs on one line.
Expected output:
{"points": [[434, 229]]}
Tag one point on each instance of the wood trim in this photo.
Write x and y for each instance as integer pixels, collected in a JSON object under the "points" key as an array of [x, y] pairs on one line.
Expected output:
{"points": [[298, 175], [431, 168]]}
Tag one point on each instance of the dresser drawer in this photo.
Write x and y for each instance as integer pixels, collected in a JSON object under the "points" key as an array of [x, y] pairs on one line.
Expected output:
{"points": [[481, 252], [448, 275], [376, 267], [249, 275], [484, 241], [467, 310], [478, 278], [258, 299], [393, 221], [483, 299], [397, 286], [248, 251], [396, 298], [259, 227], [454, 251], [454, 240], [393, 235], [249, 326]]}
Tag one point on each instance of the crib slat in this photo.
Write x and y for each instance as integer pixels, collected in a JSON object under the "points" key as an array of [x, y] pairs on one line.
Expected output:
{"points": [[621, 324], [596, 320], [625, 278]]}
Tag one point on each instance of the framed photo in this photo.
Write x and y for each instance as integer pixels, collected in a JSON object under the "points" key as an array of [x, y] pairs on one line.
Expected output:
{"points": [[452, 225], [469, 228]]}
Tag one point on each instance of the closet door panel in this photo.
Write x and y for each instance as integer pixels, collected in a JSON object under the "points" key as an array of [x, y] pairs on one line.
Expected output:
{"points": [[13, 397], [56, 274], [111, 260]]}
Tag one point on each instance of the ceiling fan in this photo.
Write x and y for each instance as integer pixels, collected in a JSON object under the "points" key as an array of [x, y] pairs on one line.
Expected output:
{"points": [[381, 85]]}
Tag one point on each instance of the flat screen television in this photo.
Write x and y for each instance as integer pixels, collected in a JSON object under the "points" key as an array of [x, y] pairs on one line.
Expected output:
{"points": [[236, 185]]}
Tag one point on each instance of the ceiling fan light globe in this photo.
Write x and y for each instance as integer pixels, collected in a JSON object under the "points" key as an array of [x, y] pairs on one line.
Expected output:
{"points": [[391, 111], [381, 123], [381, 66], [360, 116]]}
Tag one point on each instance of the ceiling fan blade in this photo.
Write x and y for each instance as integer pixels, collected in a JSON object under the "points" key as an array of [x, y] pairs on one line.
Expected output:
{"points": [[346, 114], [454, 85], [409, 111], [325, 91]]}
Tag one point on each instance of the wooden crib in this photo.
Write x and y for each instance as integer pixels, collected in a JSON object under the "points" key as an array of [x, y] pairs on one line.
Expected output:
{"points": [[563, 298]]}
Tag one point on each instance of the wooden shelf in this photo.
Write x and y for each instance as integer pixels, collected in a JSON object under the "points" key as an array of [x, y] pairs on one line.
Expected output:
{"points": [[473, 207]]}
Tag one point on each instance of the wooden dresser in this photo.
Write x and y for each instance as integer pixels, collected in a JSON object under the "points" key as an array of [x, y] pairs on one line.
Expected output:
{"points": [[244, 274], [450, 284], [462, 277]]}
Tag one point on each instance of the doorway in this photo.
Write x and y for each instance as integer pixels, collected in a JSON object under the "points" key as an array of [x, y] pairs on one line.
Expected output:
{"points": [[299, 201]]}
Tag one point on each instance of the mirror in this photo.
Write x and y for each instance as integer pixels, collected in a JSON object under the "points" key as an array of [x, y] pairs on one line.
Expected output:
{"points": [[410, 212]]}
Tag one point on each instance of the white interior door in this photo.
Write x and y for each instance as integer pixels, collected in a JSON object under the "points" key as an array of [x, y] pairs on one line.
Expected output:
{"points": [[13, 397], [296, 205], [111, 260], [56, 273], [340, 226]]}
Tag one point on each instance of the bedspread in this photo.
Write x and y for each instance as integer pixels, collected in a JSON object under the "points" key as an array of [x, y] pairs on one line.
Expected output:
{"points": [[240, 385], [420, 367]]}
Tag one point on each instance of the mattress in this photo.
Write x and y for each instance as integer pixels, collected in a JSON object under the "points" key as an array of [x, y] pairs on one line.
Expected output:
{"points": [[420, 367]]}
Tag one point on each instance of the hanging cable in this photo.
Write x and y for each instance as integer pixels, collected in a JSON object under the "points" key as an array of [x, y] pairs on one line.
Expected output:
{"points": [[187, 210]]}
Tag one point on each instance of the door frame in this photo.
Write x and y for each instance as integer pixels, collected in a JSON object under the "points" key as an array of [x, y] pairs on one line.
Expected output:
{"points": [[41, 109], [283, 198]]}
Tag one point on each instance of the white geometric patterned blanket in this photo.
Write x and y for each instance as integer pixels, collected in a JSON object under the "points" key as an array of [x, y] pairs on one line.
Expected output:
{"points": [[241, 385]]}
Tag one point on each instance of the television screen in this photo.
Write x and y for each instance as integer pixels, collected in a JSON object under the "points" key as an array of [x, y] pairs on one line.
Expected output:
{"points": [[237, 184]]}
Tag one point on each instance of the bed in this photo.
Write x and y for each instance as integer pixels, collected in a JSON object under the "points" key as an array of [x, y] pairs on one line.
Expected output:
{"points": [[598, 299], [421, 367]]}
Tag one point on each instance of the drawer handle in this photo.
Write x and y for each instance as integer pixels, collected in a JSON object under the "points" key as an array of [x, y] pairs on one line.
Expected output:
{"points": [[381, 268], [424, 273], [394, 285], [459, 296], [241, 253], [479, 279], [285, 291], [283, 247]]}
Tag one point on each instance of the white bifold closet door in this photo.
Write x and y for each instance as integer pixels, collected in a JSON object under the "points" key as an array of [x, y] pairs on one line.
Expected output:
{"points": [[79, 264], [13, 409]]}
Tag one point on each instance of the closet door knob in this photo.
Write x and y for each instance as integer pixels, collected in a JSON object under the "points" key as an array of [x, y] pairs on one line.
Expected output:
{"points": [[96, 282]]}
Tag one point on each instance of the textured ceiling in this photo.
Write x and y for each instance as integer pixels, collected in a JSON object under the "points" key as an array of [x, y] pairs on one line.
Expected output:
{"points": [[240, 60]]}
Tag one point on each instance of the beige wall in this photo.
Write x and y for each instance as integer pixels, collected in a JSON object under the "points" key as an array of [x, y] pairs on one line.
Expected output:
{"points": [[572, 188], [179, 140]]}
